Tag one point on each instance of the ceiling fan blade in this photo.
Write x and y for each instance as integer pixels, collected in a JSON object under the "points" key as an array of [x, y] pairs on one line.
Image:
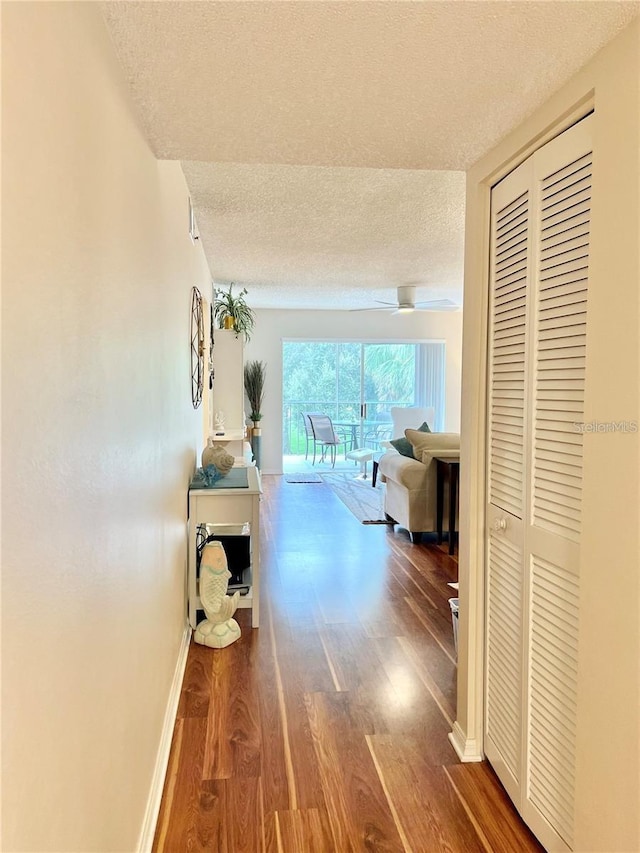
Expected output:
{"points": [[406, 305], [437, 305], [441, 308], [387, 307]]}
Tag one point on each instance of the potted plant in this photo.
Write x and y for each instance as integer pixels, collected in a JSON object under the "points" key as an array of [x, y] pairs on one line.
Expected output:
{"points": [[254, 377], [232, 312]]}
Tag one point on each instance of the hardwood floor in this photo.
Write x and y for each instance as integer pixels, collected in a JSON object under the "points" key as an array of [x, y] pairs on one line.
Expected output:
{"points": [[325, 730]]}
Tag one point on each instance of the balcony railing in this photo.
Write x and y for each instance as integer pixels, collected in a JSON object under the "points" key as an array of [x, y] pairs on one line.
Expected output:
{"points": [[346, 418]]}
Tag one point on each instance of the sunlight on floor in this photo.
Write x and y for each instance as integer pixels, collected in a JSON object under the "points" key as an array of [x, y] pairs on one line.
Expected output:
{"points": [[298, 465]]}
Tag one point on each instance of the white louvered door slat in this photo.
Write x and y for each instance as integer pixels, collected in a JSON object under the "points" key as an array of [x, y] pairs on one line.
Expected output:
{"points": [[509, 284], [562, 293], [507, 359], [536, 380], [553, 685], [504, 644], [554, 522]]}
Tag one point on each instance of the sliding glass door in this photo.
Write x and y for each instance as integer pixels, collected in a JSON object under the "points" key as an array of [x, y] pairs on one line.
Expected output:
{"points": [[356, 384]]}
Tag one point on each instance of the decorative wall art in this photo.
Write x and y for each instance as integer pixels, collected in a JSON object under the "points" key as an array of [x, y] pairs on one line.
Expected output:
{"points": [[193, 230], [197, 347]]}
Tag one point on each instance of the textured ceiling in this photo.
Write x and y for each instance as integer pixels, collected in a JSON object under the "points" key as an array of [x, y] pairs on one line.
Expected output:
{"points": [[359, 88], [310, 231]]}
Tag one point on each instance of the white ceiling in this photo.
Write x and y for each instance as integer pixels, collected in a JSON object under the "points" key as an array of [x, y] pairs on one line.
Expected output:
{"points": [[311, 234], [324, 142]]}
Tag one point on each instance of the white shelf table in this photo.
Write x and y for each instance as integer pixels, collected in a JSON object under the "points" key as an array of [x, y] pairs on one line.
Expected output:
{"points": [[227, 506]]}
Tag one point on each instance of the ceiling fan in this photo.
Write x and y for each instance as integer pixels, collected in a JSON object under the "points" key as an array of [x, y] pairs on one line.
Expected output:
{"points": [[406, 303]]}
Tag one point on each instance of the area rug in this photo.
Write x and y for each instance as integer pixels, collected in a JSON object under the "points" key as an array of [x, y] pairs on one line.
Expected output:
{"points": [[303, 478], [365, 502]]}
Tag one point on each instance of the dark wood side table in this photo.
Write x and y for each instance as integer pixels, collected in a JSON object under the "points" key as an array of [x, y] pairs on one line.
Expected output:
{"points": [[447, 467], [376, 459]]}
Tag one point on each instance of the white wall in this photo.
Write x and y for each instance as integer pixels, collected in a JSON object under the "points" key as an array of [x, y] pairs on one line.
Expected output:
{"points": [[272, 327], [608, 746], [99, 436]]}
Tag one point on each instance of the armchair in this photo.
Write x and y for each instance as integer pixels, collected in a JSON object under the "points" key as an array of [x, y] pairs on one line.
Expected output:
{"points": [[410, 417], [410, 495]]}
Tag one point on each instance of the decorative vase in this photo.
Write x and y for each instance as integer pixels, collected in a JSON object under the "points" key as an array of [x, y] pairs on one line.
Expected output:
{"points": [[256, 443], [214, 454], [229, 322]]}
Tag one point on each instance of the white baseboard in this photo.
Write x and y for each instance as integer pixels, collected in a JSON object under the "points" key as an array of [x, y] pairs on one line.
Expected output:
{"points": [[145, 842], [467, 749]]}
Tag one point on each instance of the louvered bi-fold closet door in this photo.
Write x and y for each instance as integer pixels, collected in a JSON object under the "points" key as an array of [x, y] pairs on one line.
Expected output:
{"points": [[534, 510], [562, 173], [510, 284]]}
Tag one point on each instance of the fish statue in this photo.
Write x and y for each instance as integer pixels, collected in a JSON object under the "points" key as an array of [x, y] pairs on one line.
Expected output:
{"points": [[219, 629]]}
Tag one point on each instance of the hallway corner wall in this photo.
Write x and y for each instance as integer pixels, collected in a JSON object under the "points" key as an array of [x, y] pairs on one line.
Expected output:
{"points": [[99, 436]]}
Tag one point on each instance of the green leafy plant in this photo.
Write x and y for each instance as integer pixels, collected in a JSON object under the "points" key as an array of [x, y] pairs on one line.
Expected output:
{"points": [[254, 376], [232, 308]]}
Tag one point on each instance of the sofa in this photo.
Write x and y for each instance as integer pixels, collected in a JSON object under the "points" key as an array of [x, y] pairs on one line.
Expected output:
{"points": [[410, 495]]}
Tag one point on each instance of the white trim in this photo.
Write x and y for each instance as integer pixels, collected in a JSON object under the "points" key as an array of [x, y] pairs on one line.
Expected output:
{"points": [[354, 339], [148, 831], [578, 110], [472, 487], [467, 749], [471, 543]]}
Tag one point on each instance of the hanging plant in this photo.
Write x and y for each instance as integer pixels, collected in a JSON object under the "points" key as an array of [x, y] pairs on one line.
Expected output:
{"points": [[254, 376], [232, 312]]}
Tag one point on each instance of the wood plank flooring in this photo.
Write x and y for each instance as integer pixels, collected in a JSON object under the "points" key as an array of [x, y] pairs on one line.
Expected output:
{"points": [[325, 730]]}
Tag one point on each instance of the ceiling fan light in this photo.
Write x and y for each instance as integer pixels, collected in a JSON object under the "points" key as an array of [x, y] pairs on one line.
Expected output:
{"points": [[405, 309]]}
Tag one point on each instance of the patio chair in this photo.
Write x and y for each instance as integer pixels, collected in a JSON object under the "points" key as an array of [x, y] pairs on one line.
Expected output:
{"points": [[324, 435], [308, 431], [348, 433], [375, 432]]}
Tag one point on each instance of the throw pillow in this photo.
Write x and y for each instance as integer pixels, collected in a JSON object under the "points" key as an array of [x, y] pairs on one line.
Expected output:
{"points": [[403, 445], [425, 447]]}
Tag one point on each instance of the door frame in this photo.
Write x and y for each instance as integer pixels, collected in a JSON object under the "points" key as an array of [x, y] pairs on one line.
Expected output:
{"points": [[467, 735]]}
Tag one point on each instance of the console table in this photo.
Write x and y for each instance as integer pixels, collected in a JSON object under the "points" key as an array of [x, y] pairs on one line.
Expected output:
{"points": [[447, 467], [220, 504]]}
